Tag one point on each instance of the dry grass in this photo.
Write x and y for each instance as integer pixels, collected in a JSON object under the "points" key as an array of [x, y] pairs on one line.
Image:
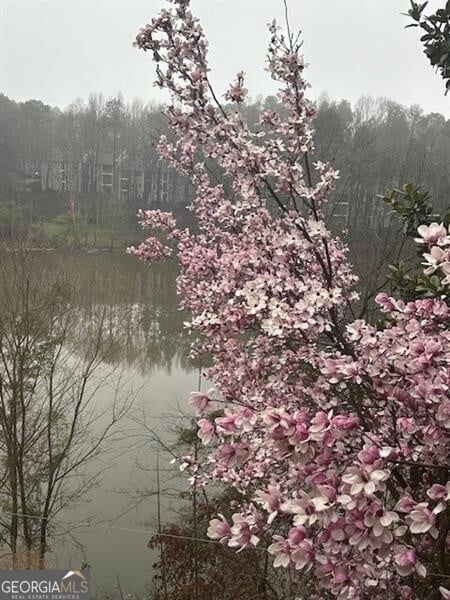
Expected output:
{"points": [[24, 561]]}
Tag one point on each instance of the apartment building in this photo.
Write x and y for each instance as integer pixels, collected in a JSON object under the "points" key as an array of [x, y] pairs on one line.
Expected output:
{"points": [[100, 174]]}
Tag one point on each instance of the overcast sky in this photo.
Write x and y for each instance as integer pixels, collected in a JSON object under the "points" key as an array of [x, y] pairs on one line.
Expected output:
{"points": [[60, 50]]}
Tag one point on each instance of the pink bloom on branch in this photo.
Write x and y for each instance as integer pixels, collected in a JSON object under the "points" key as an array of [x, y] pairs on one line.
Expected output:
{"points": [[319, 423], [303, 555], [437, 258], [407, 426], [219, 529], [157, 219], [405, 504], [387, 303], [152, 250], [422, 520], [201, 402], [245, 418], [206, 431], [379, 519], [307, 510], [439, 492], [231, 455], [443, 414], [270, 501], [281, 549], [227, 425], [237, 92], [406, 593], [296, 535], [343, 423], [407, 563], [431, 234], [365, 479], [243, 532]]}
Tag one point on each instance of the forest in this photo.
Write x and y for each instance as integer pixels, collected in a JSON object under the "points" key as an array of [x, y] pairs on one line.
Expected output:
{"points": [[79, 175]]}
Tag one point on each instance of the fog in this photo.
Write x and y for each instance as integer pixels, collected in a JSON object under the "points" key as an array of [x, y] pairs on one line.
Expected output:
{"points": [[57, 51]]}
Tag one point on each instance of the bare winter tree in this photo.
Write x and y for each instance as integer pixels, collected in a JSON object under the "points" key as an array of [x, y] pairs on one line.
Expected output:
{"points": [[50, 424]]}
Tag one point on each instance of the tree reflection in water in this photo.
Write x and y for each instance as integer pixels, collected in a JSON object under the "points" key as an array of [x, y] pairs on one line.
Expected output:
{"points": [[143, 326]]}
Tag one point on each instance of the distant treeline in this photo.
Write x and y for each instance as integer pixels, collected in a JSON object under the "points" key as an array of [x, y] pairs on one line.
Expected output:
{"points": [[103, 149]]}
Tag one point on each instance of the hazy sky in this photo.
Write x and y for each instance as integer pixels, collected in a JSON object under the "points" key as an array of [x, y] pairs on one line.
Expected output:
{"points": [[60, 50]]}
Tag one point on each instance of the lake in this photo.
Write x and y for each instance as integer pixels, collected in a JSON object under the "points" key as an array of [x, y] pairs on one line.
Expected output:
{"points": [[145, 331]]}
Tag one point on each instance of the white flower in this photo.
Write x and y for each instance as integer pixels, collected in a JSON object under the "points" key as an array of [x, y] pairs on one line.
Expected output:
{"points": [[366, 481], [431, 234], [433, 259]]}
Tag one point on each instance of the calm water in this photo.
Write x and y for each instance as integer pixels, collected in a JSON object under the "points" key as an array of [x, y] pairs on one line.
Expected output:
{"points": [[149, 350]]}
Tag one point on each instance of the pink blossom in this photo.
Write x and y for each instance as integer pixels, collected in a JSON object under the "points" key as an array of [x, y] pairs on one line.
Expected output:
{"points": [[443, 414], [156, 219], [365, 480], [151, 250], [200, 401], [303, 555], [405, 504], [435, 259], [388, 304], [407, 425], [406, 593], [206, 431], [305, 509], [431, 234], [219, 529], [439, 492], [237, 92], [243, 532], [296, 536], [270, 501], [227, 424], [232, 454], [341, 424], [379, 519], [407, 562], [422, 520], [281, 550]]}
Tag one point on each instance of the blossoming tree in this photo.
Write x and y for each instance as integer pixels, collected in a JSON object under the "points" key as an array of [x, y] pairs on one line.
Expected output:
{"points": [[334, 431]]}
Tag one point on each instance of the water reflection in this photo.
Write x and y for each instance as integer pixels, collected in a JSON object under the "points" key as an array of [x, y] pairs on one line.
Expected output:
{"points": [[143, 327], [144, 336]]}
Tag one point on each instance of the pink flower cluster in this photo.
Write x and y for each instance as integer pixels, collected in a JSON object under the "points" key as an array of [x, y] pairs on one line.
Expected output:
{"points": [[335, 432], [152, 249], [437, 238]]}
